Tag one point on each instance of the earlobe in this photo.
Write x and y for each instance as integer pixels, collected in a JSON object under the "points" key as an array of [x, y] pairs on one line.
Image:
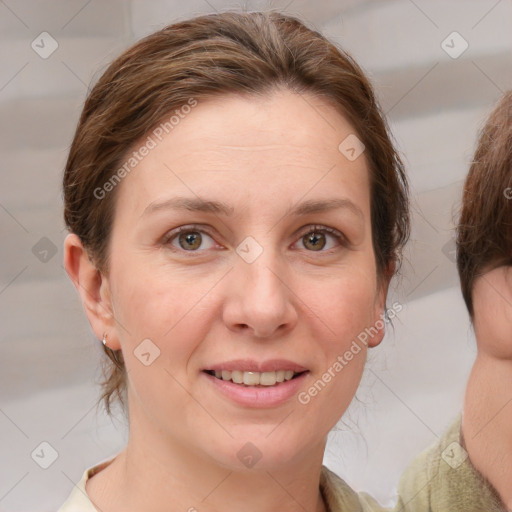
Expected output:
{"points": [[378, 330], [379, 318], [91, 285]]}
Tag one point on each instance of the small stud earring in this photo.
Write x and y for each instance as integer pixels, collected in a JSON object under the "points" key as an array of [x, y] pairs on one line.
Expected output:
{"points": [[105, 338]]}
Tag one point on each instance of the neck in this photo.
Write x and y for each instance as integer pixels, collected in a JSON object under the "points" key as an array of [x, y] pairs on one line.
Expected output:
{"points": [[153, 472], [487, 421]]}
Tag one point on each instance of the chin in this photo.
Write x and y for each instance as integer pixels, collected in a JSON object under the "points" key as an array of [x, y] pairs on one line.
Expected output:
{"points": [[257, 451]]}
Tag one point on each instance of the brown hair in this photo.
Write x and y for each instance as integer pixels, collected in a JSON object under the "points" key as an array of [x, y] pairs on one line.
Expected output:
{"points": [[248, 53], [484, 232]]}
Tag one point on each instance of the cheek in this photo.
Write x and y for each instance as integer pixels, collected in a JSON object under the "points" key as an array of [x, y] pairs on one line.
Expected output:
{"points": [[493, 324], [350, 310], [167, 320], [160, 306], [344, 321], [349, 301]]}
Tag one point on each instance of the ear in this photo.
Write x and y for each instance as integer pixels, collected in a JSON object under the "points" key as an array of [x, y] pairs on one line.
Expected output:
{"points": [[379, 309], [93, 288]]}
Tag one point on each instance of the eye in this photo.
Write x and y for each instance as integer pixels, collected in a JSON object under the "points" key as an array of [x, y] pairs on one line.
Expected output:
{"points": [[316, 239], [189, 238], [194, 239]]}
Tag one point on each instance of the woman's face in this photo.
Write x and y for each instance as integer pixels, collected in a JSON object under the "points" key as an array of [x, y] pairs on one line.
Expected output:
{"points": [[273, 271]]}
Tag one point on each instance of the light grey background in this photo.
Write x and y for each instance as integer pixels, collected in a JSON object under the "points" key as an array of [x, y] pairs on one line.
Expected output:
{"points": [[414, 382]]}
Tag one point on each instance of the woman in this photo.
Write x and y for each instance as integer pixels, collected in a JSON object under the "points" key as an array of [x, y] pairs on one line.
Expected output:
{"points": [[236, 211]]}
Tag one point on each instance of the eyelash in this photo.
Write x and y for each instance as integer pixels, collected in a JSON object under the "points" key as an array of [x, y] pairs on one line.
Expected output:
{"points": [[169, 237]]}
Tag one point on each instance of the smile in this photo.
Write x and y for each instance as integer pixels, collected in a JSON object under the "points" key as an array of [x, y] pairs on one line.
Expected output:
{"points": [[254, 378]]}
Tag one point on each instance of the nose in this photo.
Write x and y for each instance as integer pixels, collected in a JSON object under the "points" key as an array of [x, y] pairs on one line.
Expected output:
{"points": [[259, 299]]}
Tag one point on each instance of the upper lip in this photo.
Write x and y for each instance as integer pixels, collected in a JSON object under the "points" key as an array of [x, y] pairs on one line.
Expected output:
{"points": [[250, 365]]}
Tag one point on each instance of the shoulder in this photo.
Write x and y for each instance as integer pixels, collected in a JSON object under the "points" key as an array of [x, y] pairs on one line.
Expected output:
{"points": [[443, 478], [78, 500], [340, 497]]}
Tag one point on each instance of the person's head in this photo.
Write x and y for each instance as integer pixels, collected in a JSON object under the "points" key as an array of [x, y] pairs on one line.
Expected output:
{"points": [[484, 231], [234, 198]]}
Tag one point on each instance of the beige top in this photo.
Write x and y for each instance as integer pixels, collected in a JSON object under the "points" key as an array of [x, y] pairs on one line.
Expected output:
{"points": [[439, 479]]}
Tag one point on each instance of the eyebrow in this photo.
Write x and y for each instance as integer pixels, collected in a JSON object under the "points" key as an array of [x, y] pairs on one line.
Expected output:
{"points": [[323, 205], [219, 207], [193, 204]]}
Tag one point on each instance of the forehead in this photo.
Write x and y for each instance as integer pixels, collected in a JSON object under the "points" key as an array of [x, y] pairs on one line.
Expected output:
{"points": [[281, 147]]}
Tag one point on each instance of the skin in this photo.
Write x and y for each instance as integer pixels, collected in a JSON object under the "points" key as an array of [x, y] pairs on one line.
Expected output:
{"points": [[292, 302], [488, 401]]}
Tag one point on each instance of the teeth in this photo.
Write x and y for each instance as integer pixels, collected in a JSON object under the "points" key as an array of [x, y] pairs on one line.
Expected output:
{"points": [[250, 378], [255, 378], [268, 378], [236, 376]]}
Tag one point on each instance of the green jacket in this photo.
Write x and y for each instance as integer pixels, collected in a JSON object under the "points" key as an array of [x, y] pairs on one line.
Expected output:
{"points": [[440, 479]]}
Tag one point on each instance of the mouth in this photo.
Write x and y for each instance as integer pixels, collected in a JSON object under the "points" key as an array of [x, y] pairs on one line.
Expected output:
{"points": [[256, 384], [255, 379]]}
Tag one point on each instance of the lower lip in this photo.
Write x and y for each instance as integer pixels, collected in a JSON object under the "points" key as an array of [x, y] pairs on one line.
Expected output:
{"points": [[258, 397]]}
